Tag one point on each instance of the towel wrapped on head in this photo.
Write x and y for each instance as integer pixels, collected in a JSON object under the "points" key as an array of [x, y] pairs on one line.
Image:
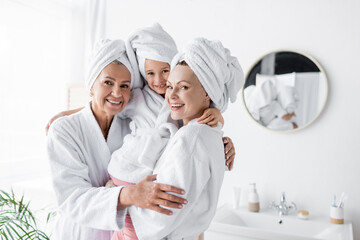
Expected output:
{"points": [[105, 52], [219, 73], [150, 43]]}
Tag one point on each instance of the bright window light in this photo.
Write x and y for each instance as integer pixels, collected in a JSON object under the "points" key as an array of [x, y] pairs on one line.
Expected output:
{"points": [[35, 66]]}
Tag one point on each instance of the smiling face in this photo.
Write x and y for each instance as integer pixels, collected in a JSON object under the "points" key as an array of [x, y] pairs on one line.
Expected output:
{"points": [[185, 95], [157, 74], [111, 90]]}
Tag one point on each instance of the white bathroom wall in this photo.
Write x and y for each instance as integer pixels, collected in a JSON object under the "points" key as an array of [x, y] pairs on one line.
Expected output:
{"points": [[309, 165]]}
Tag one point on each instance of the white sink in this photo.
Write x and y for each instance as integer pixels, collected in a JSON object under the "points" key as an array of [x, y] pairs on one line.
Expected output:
{"points": [[229, 224]]}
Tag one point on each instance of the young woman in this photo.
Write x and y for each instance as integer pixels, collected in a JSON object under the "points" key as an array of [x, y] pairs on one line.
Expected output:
{"points": [[193, 158]]}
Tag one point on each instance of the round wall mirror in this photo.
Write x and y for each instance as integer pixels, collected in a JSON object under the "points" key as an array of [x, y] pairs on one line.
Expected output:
{"points": [[285, 90]]}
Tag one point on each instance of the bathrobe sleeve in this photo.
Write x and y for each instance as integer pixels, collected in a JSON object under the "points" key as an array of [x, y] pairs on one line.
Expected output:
{"points": [[78, 199], [276, 109], [138, 109], [186, 166], [288, 98], [137, 156]]}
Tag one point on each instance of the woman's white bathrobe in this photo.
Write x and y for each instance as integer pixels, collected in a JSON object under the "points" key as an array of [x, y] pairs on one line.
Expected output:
{"points": [[79, 156], [192, 160], [268, 104]]}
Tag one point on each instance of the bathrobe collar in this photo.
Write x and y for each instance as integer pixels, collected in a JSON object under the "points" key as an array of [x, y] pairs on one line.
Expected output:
{"points": [[109, 143]]}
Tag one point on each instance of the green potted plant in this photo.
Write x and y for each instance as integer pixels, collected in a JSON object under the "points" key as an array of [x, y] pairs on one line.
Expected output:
{"points": [[16, 219]]}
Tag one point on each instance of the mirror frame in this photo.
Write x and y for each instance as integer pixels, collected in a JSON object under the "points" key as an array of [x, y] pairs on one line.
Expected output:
{"points": [[317, 65]]}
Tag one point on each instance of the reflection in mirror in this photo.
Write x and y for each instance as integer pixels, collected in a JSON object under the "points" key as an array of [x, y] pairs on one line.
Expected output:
{"points": [[285, 90]]}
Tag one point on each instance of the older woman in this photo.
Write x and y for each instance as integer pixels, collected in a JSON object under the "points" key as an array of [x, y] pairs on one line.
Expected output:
{"points": [[204, 75], [79, 149]]}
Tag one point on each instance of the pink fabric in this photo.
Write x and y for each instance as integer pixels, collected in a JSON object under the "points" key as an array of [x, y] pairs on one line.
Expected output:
{"points": [[118, 182], [128, 232]]}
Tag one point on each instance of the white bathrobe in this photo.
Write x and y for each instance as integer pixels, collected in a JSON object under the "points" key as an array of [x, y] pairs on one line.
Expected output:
{"points": [[143, 108], [192, 160], [150, 132], [268, 104], [79, 156]]}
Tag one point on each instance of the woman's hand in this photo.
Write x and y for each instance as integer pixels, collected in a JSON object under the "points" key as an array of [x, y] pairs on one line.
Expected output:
{"points": [[288, 116], [61, 114], [110, 183], [229, 152], [147, 194], [211, 117]]}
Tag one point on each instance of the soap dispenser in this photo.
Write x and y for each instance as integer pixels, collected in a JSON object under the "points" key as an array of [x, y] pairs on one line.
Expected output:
{"points": [[253, 199]]}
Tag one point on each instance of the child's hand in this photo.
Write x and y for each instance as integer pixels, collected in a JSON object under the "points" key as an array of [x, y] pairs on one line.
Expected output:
{"points": [[110, 183], [61, 114], [229, 152], [211, 117], [52, 120], [288, 116]]}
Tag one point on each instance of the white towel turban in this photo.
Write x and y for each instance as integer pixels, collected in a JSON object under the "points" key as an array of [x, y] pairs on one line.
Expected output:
{"points": [[105, 52], [219, 73], [150, 43]]}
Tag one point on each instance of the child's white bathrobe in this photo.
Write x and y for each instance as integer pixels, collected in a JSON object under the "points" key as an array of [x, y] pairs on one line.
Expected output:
{"points": [[142, 148], [143, 108], [79, 156], [192, 160], [151, 128]]}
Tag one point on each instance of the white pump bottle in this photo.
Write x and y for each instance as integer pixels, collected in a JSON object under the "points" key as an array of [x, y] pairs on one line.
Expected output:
{"points": [[253, 199]]}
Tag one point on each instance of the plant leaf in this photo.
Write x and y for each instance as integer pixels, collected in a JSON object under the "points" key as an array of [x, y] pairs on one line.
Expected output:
{"points": [[16, 219]]}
